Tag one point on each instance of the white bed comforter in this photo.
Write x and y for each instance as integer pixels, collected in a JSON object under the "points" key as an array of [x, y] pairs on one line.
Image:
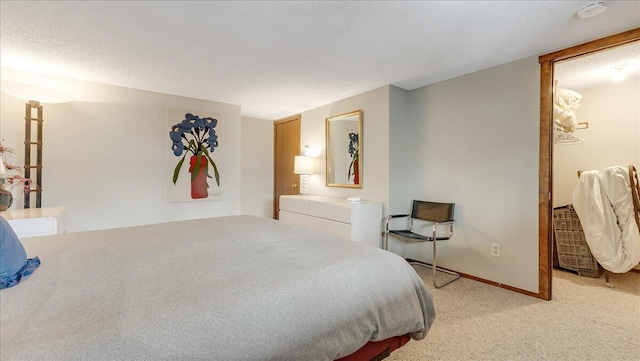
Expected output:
{"points": [[229, 288]]}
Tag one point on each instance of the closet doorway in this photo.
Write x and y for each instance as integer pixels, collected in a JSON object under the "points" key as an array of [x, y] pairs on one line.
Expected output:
{"points": [[286, 145], [549, 64]]}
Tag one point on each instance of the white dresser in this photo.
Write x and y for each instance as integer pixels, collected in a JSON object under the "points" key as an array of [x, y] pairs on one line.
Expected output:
{"points": [[34, 222], [360, 222]]}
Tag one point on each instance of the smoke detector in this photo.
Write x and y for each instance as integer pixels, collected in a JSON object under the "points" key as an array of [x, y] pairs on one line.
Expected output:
{"points": [[591, 10]]}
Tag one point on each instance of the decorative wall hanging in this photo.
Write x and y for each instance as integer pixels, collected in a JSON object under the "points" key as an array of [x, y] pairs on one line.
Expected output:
{"points": [[193, 171], [353, 175]]}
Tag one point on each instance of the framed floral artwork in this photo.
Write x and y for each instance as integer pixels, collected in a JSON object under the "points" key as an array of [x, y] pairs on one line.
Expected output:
{"points": [[193, 138]]}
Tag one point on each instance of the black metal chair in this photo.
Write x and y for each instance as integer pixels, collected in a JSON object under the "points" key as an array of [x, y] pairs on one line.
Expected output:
{"points": [[439, 214]]}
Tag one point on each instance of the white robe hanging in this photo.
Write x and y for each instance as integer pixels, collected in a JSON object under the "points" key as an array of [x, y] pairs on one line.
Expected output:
{"points": [[604, 205]]}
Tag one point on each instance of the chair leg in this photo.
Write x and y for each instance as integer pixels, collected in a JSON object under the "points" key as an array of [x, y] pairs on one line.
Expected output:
{"points": [[385, 240], [385, 246], [606, 278], [436, 269]]}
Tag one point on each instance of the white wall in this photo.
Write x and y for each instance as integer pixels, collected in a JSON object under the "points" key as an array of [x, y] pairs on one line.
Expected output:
{"points": [[375, 145], [257, 167], [105, 154], [473, 140], [613, 136], [401, 149], [402, 166]]}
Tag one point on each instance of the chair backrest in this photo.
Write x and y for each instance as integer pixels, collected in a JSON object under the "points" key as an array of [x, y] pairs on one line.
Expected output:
{"points": [[433, 211]]}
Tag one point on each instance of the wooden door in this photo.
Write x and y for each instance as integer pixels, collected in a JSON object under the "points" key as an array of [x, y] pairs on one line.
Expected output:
{"points": [[286, 146]]}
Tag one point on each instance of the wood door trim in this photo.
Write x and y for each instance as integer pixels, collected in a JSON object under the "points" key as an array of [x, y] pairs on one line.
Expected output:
{"points": [[287, 119], [297, 117], [592, 46], [545, 195]]}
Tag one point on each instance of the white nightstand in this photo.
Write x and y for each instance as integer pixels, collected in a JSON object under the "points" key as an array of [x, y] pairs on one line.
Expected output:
{"points": [[34, 222]]}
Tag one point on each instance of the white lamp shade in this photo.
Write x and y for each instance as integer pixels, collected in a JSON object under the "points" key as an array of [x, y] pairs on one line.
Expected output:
{"points": [[303, 165], [3, 170]]}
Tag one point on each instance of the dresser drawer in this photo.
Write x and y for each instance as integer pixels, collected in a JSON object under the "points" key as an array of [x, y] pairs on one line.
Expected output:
{"points": [[333, 228], [333, 211], [34, 227], [358, 222], [297, 205], [294, 218], [35, 222]]}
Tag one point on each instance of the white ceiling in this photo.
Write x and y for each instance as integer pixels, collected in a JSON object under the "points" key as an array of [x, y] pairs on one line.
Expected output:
{"points": [[599, 68], [280, 58]]}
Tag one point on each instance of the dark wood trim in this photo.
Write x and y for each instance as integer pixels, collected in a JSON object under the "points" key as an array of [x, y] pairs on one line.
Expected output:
{"points": [[593, 46], [546, 149], [292, 118], [492, 283], [506, 287], [545, 177], [287, 119]]}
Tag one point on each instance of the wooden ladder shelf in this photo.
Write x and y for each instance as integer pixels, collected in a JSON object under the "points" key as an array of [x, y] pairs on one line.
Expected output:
{"points": [[28, 145]]}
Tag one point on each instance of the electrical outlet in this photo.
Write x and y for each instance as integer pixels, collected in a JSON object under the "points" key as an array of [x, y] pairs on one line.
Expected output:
{"points": [[495, 249]]}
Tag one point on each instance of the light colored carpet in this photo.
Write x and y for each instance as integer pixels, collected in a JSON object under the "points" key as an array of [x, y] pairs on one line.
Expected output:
{"points": [[585, 321]]}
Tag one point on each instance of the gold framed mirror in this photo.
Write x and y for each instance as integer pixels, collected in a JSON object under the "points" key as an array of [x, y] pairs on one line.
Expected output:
{"points": [[344, 150]]}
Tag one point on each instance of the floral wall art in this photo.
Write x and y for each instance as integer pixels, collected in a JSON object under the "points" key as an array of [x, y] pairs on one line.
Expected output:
{"points": [[353, 175], [193, 139]]}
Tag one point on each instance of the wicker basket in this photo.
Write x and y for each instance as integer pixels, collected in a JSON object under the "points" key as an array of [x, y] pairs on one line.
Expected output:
{"points": [[573, 251]]}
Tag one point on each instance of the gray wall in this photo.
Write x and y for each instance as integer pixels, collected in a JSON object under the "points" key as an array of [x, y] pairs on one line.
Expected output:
{"points": [[473, 140], [375, 145]]}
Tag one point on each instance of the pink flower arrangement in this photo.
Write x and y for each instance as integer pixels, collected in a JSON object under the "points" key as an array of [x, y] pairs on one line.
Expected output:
{"points": [[6, 168]]}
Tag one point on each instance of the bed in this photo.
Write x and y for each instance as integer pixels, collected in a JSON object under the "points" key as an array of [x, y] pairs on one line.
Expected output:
{"points": [[227, 288]]}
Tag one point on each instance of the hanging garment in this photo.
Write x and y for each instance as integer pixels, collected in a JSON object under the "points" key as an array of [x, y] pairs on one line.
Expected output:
{"points": [[602, 203], [618, 190], [565, 102]]}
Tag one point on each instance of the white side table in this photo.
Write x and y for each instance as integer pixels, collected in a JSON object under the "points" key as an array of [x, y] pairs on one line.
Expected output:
{"points": [[34, 222]]}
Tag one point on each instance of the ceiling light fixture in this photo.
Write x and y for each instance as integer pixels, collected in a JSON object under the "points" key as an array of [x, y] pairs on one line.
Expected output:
{"points": [[620, 72], [591, 10]]}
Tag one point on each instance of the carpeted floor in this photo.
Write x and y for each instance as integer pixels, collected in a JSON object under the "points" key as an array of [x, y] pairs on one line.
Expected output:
{"points": [[585, 321]]}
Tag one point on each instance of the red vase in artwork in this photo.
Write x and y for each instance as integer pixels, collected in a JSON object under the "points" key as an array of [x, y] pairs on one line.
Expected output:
{"points": [[199, 182], [356, 173]]}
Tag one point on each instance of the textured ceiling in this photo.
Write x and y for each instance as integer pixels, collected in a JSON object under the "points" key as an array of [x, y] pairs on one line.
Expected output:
{"points": [[279, 58], [599, 68]]}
